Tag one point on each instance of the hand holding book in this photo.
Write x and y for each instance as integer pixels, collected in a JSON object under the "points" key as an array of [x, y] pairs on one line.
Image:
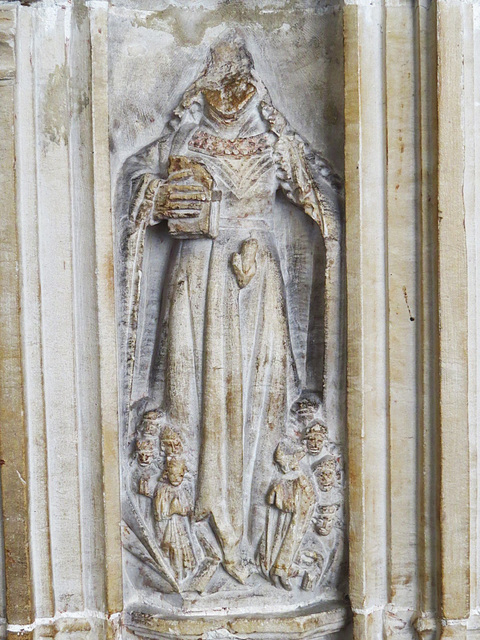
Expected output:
{"points": [[186, 199]]}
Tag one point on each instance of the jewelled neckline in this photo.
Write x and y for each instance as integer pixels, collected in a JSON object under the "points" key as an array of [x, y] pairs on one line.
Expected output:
{"points": [[214, 145]]}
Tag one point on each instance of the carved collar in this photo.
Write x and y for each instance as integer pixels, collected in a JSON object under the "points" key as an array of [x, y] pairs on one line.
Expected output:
{"points": [[216, 146]]}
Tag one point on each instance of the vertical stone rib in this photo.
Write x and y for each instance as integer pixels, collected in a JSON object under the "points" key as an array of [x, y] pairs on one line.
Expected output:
{"points": [[106, 303], [366, 300], [13, 444], [50, 59], [403, 321], [26, 176], [427, 472], [85, 310], [453, 307], [472, 223]]}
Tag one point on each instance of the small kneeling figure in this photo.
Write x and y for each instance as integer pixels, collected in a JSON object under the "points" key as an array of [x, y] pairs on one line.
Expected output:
{"points": [[293, 499], [172, 503]]}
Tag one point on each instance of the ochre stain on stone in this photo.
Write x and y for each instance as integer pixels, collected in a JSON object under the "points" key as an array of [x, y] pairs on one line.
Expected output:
{"points": [[55, 106]]}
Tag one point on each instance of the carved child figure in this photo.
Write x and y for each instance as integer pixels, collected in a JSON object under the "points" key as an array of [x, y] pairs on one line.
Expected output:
{"points": [[293, 499], [146, 450], [151, 423], [311, 562], [146, 453], [172, 507], [306, 406]]}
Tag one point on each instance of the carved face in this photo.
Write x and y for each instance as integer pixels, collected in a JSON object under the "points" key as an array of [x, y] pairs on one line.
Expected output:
{"points": [[287, 460], [176, 469], [306, 406], [326, 473], [315, 437], [175, 476], [283, 462], [325, 519], [145, 452], [151, 427], [171, 443], [309, 558], [230, 97]]}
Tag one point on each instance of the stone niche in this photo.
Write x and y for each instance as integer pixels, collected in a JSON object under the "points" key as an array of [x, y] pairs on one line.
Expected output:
{"points": [[239, 376], [226, 137]]}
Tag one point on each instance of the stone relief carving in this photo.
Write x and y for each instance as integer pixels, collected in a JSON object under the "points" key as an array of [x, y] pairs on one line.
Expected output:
{"points": [[294, 500], [172, 508], [233, 483]]}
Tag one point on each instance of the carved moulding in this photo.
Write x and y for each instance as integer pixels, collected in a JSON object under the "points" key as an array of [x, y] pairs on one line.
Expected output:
{"points": [[230, 280]]}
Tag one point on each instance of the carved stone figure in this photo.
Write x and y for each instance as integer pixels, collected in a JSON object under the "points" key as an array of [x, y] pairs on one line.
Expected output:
{"points": [[171, 442], [219, 364], [306, 406], [326, 473], [145, 452], [315, 437], [311, 562], [150, 426], [146, 449], [294, 498], [172, 508], [325, 519]]}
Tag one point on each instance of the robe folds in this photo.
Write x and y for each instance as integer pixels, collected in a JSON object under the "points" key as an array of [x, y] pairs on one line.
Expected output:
{"points": [[223, 369], [226, 358]]}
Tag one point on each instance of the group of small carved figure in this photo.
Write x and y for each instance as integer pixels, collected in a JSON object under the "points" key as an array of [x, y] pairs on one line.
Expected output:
{"points": [[296, 507], [172, 503], [293, 502]]}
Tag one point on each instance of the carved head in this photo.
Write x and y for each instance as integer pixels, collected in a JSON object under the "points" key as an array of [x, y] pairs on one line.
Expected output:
{"points": [[326, 473], [306, 406], [171, 442], [227, 82], [287, 455], [315, 437], [175, 471], [146, 451], [151, 422], [325, 519]]}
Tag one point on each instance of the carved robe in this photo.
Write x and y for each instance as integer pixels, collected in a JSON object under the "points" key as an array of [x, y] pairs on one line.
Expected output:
{"points": [[232, 341], [294, 499], [172, 504], [223, 365]]}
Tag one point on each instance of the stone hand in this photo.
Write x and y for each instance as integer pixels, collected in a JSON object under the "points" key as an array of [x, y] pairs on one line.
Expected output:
{"points": [[180, 197], [244, 264]]}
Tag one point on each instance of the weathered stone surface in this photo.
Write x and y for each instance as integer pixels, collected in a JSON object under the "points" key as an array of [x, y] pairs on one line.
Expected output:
{"points": [[173, 242], [231, 314]]}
